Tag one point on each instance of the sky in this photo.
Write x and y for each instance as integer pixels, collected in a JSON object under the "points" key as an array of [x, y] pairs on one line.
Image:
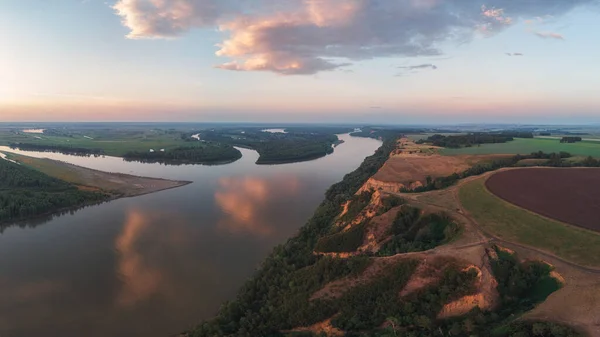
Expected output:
{"points": [[363, 61]]}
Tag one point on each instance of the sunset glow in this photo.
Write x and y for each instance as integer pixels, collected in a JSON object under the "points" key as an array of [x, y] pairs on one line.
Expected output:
{"points": [[299, 60]]}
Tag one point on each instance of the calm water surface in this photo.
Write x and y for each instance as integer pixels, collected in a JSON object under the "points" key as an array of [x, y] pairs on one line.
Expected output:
{"points": [[158, 264]]}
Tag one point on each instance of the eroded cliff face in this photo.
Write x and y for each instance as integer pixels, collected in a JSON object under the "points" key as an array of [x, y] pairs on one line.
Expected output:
{"points": [[486, 297], [389, 187]]}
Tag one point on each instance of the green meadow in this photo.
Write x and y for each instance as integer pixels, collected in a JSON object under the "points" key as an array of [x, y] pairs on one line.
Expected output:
{"points": [[529, 145]]}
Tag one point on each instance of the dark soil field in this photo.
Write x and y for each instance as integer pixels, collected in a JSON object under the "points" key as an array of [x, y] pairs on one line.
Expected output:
{"points": [[568, 195]]}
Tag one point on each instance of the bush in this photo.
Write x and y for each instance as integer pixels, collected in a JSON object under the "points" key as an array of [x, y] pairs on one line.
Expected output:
{"points": [[343, 242]]}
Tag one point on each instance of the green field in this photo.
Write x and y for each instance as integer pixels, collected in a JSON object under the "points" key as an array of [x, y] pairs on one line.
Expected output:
{"points": [[527, 146], [114, 143], [515, 224]]}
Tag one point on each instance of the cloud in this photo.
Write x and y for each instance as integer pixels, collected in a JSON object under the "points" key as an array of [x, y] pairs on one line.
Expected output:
{"points": [[420, 66], [412, 69], [243, 201], [169, 18], [550, 35], [303, 37], [514, 54]]}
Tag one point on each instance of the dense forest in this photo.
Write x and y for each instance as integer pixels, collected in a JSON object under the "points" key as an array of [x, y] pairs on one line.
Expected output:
{"points": [[26, 193], [276, 297], [71, 150], [477, 138], [413, 232], [206, 153], [276, 148]]}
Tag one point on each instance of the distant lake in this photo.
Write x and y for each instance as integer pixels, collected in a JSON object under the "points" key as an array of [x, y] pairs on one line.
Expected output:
{"points": [[34, 130], [158, 264], [274, 130]]}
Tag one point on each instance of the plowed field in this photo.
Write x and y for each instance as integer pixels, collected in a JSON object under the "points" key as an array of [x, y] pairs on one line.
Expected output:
{"points": [[568, 195]]}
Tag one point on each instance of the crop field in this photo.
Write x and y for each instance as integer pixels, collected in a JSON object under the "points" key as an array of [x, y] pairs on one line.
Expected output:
{"points": [[512, 223], [114, 143], [567, 195], [529, 145]]}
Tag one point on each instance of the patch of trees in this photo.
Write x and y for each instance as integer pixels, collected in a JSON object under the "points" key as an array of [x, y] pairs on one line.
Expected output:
{"points": [[571, 139], [276, 297], [205, 154], [414, 233], [388, 202], [477, 138], [363, 310], [368, 307], [70, 150], [545, 133], [521, 286], [356, 204], [26, 193], [344, 241]]}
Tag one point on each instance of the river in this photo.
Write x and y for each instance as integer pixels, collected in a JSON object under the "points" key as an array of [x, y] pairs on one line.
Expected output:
{"points": [[158, 264]]}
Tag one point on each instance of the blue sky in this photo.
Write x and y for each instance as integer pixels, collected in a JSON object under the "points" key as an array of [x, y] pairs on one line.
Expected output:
{"points": [[300, 60]]}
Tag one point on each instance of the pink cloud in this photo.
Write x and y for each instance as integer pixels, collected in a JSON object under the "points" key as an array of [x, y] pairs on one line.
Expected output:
{"points": [[550, 35], [302, 37]]}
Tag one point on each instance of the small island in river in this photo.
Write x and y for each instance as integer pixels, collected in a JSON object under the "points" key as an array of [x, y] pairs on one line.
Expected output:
{"points": [[32, 187]]}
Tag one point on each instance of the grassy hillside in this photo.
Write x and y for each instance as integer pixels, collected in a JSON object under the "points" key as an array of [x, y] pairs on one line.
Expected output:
{"points": [[527, 146], [512, 223]]}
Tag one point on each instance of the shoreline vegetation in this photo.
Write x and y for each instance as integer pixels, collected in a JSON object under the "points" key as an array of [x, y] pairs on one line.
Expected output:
{"points": [[206, 154], [182, 146], [31, 188]]}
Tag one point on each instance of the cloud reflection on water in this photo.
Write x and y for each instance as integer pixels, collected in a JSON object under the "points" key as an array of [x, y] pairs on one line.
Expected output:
{"points": [[247, 202]]}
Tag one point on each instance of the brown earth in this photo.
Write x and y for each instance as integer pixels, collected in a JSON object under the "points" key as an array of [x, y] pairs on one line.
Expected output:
{"points": [[322, 327], [410, 165], [569, 195], [411, 169]]}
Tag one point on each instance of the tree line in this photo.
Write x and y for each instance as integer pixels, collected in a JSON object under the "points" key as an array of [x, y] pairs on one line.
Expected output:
{"points": [[70, 150], [204, 154], [571, 139], [476, 138]]}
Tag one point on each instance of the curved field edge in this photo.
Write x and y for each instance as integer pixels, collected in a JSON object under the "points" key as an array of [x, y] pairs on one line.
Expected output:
{"points": [[512, 223]]}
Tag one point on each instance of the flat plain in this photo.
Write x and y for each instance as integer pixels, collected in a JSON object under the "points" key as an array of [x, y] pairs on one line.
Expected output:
{"points": [[568, 195], [512, 223], [529, 145]]}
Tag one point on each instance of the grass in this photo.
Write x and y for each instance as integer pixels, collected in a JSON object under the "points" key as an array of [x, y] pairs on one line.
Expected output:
{"points": [[115, 143], [515, 224], [51, 168], [527, 146]]}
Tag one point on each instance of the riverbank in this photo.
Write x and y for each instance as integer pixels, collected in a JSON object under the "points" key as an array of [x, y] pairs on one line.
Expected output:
{"points": [[118, 185]]}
